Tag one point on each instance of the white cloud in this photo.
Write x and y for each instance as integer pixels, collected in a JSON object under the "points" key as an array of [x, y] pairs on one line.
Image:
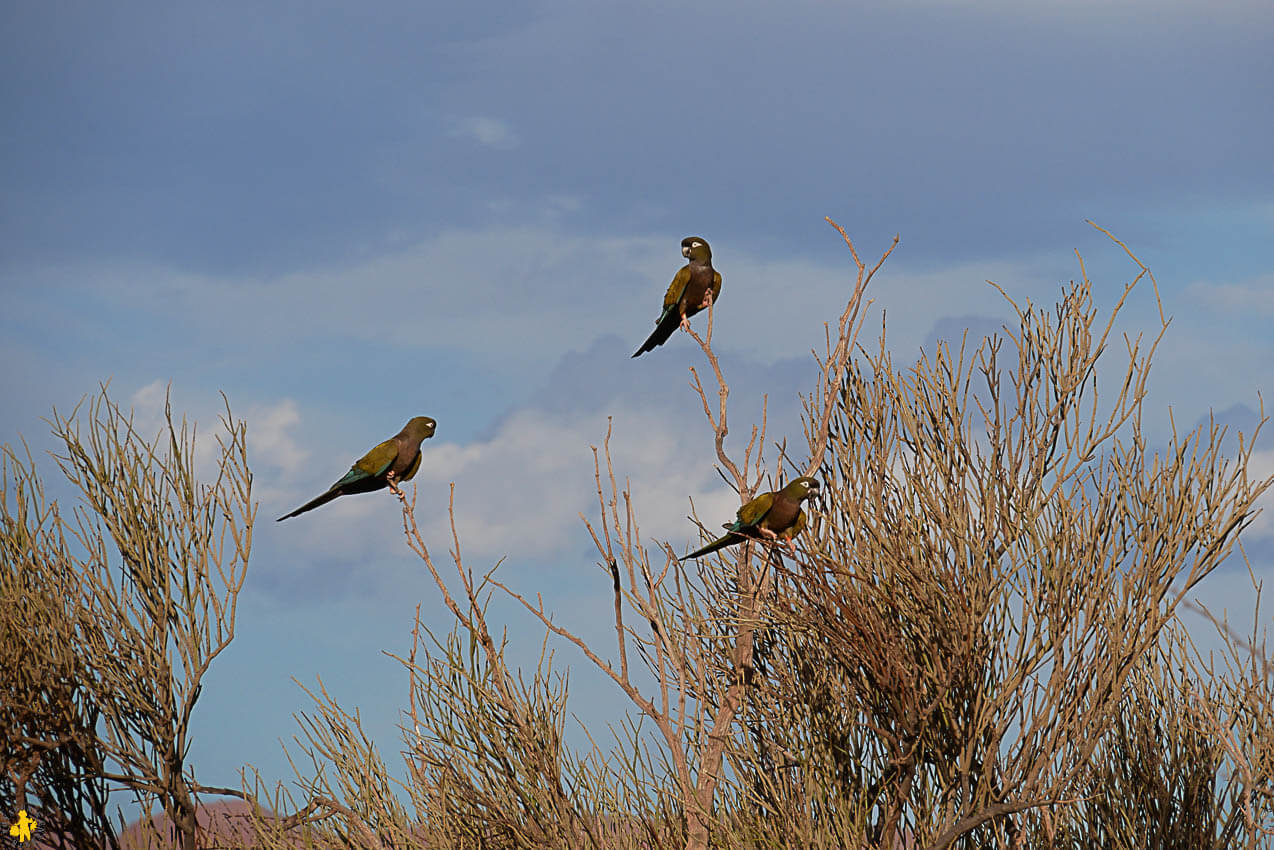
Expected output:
{"points": [[518, 496], [147, 407], [271, 430], [564, 203], [1254, 296], [523, 294], [485, 290], [520, 493], [1260, 468], [486, 131], [479, 290], [274, 454]]}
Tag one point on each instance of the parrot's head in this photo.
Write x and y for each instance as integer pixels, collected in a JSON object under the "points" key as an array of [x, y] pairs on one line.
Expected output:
{"points": [[803, 488], [696, 248], [421, 428]]}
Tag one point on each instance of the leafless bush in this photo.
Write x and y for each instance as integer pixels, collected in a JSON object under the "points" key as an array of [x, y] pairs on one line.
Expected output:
{"points": [[135, 592], [52, 760], [984, 601]]}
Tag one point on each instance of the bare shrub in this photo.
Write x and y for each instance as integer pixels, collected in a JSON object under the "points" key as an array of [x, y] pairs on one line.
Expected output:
{"points": [[51, 758], [985, 600], [136, 590]]}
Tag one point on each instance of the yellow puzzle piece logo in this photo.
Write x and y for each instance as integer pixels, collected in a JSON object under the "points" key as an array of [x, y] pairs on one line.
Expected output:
{"points": [[23, 828]]}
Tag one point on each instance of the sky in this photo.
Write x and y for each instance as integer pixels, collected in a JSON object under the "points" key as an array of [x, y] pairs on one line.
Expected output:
{"points": [[343, 216]]}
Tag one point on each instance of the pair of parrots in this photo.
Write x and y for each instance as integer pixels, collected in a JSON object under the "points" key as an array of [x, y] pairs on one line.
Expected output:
{"points": [[770, 516]]}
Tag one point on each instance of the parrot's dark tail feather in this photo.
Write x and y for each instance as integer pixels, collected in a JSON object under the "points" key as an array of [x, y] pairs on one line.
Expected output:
{"points": [[652, 342], [719, 543], [316, 502], [668, 323]]}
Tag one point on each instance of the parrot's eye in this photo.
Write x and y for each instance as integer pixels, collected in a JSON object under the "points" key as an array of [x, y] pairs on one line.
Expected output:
{"points": [[695, 244]]}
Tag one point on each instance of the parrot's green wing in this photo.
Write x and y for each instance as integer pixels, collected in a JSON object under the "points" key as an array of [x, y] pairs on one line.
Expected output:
{"points": [[753, 512], [411, 470], [716, 285], [749, 515], [372, 464], [675, 290]]}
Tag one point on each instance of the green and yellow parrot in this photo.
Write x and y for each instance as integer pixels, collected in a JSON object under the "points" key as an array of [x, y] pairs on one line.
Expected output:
{"points": [[696, 286], [770, 516], [399, 456]]}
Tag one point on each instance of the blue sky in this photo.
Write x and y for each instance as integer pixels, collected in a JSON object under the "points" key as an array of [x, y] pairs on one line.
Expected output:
{"points": [[344, 217]]}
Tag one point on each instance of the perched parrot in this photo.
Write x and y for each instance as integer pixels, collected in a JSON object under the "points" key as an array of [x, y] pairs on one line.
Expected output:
{"points": [[398, 456], [696, 286], [769, 516]]}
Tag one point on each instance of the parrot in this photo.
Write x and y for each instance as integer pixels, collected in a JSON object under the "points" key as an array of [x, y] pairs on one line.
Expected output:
{"points": [[769, 516], [398, 457], [696, 286]]}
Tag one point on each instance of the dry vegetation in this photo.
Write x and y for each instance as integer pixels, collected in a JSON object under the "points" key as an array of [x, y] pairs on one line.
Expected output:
{"points": [[977, 645], [111, 616]]}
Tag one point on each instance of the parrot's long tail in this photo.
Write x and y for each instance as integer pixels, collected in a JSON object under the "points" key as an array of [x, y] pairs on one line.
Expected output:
{"points": [[720, 543], [316, 502], [668, 323]]}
